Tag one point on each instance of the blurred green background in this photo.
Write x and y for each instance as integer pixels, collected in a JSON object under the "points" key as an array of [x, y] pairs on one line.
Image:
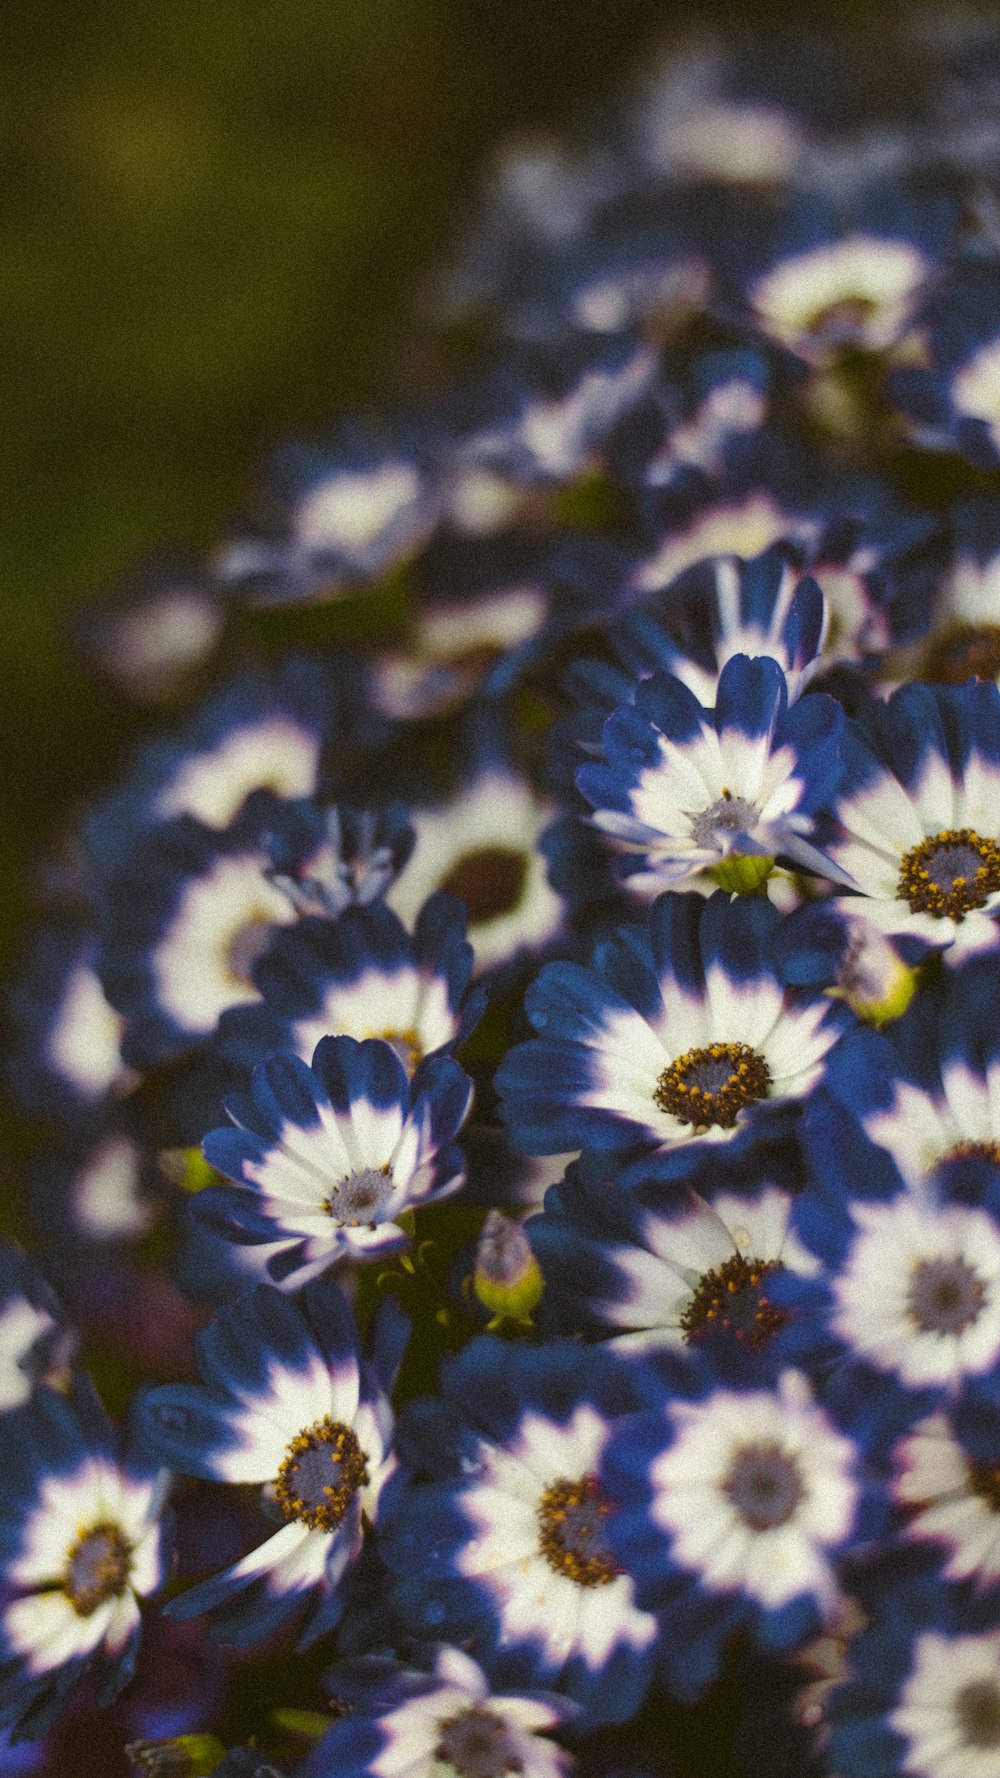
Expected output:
{"points": [[213, 217]]}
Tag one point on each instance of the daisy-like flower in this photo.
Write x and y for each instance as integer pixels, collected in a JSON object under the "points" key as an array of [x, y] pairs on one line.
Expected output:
{"points": [[919, 816], [756, 607], [852, 291], [966, 635], [692, 1273], [345, 512], [951, 399], [678, 1034], [34, 1345], [184, 922], [510, 1547], [951, 1493], [923, 1696], [82, 1541], [694, 798], [927, 1091], [326, 1158], [361, 975], [483, 846], [289, 1403], [67, 1052], [734, 1506], [256, 734], [915, 1287], [440, 1722]]}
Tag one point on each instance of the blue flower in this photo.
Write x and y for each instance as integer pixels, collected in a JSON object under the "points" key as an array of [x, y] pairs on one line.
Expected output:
{"points": [[923, 1699], [966, 634], [734, 1506], [327, 860], [679, 1034], [952, 401], [508, 1546], [82, 1540], [444, 1715], [256, 733], [34, 1345], [919, 816], [688, 1272], [695, 797], [947, 1482], [326, 1158], [361, 975], [345, 512], [183, 923], [289, 1403], [66, 1056]]}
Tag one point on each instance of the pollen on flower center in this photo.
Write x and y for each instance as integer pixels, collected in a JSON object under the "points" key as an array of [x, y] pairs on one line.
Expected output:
{"points": [[571, 1537], [322, 1471], [945, 1295], [714, 827], [972, 1151], [490, 881], [361, 1198], [477, 1744], [97, 1567], [730, 1299], [712, 1085], [960, 651], [977, 1711], [950, 873], [406, 1044], [764, 1484]]}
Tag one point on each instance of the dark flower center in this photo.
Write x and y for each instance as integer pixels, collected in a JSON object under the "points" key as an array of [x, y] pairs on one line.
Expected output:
{"points": [[490, 882], [842, 323], [764, 1485], [571, 1517], [711, 1086], [960, 651], [972, 1151], [977, 1709], [945, 1295], [477, 1744], [950, 873], [322, 1471], [729, 1300], [97, 1567], [361, 1199], [984, 1482]]}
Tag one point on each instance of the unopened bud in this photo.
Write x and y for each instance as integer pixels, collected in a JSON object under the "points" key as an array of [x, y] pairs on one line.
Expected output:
{"points": [[506, 1277], [877, 985]]}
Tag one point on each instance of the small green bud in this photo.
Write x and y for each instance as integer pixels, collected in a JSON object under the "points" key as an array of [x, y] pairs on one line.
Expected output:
{"points": [[506, 1276], [186, 1167], [184, 1756], [873, 979], [742, 873]]}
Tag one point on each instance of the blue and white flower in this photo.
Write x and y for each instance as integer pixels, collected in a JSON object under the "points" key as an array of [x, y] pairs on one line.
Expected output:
{"points": [[34, 1345], [509, 1547], [678, 1035], [919, 816], [67, 1052], [952, 399], [328, 860], [287, 1403], [951, 1495], [444, 1719], [361, 975], [482, 846], [734, 1507], [923, 1697], [326, 1159], [184, 922], [82, 1541], [695, 798], [256, 734], [687, 1273]]}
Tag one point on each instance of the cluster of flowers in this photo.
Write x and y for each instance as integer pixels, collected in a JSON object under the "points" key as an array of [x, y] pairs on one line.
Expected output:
{"points": [[584, 1333]]}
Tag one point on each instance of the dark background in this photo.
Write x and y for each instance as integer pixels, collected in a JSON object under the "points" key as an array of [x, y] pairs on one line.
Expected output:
{"points": [[213, 216]]}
